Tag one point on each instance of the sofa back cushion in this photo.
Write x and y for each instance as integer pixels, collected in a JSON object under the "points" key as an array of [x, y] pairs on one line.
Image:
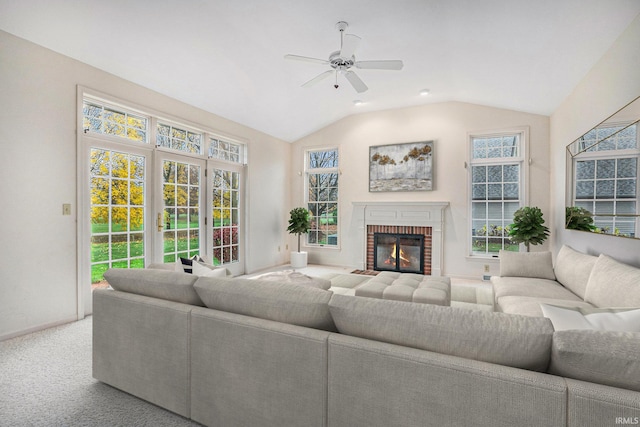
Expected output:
{"points": [[613, 284], [609, 358], [163, 284], [527, 264], [282, 302], [573, 269], [510, 340]]}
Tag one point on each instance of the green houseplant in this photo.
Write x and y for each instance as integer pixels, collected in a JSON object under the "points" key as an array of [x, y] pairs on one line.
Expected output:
{"points": [[299, 223], [528, 227], [579, 219]]}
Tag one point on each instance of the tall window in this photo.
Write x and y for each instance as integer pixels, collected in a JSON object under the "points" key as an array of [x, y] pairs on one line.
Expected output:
{"points": [[117, 210], [226, 216], [606, 178], [496, 190], [322, 196], [181, 217]]}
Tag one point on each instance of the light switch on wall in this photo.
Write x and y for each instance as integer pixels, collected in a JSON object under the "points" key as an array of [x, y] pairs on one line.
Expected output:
{"points": [[66, 209]]}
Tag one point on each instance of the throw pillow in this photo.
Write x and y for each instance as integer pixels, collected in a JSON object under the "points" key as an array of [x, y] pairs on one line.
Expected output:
{"points": [[526, 264], [601, 319], [204, 270], [187, 265]]}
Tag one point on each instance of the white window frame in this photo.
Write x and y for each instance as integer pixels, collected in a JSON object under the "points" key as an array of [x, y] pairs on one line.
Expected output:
{"points": [[589, 154], [309, 171], [522, 159]]}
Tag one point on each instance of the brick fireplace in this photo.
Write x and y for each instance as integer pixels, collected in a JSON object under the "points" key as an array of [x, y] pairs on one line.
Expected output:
{"points": [[402, 218], [388, 232]]}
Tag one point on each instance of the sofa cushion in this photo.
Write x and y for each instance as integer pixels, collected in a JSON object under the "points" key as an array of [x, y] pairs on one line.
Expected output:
{"points": [[526, 264], [603, 357], [518, 341], [573, 269], [167, 285], [613, 284], [282, 302], [601, 319], [530, 306], [526, 287]]}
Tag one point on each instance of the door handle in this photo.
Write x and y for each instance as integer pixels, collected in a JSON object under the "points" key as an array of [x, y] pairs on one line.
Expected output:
{"points": [[159, 223]]}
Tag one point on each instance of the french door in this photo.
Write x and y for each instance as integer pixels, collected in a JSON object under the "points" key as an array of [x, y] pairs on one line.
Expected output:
{"points": [[179, 223], [226, 227], [144, 206]]}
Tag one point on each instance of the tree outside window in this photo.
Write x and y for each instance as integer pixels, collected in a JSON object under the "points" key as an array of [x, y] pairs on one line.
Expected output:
{"points": [[322, 196]]}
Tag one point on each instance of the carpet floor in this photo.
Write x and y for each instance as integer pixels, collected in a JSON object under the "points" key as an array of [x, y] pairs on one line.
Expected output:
{"points": [[45, 380]]}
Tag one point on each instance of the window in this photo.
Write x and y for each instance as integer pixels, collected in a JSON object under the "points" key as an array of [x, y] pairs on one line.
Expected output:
{"points": [[130, 184], [225, 150], [606, 178], [496, 190], [322, 196], [117, 210], [226, 216], [181, 215], [179, 139], [108, 120]]}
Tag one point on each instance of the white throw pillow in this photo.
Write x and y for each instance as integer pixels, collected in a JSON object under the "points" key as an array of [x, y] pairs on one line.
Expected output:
{"points": [[600, 319], [203, 270]]}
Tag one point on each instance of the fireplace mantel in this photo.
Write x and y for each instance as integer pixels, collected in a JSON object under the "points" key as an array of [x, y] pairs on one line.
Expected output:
{"points": [[421, 214]]}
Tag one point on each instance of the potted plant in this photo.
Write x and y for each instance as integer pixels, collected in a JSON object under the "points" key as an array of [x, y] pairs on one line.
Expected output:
{"points": [[579, 219], [299, 223], [528, 227]]}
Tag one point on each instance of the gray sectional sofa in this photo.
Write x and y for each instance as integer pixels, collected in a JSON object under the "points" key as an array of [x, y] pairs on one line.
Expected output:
{"points": [[238, 352]]}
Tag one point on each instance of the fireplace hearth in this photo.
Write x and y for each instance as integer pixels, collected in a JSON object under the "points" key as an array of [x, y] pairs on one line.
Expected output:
{"points": [[403, 253]]}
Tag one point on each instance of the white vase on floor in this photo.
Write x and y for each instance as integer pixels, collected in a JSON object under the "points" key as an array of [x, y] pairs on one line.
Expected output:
{"points": [[298, 259]]}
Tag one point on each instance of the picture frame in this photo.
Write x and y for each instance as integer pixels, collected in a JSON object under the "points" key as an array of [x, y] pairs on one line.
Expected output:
{"points": [[401, 167]]}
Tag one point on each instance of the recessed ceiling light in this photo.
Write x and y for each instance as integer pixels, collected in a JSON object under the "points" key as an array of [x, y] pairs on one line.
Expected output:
{"points": [[425, 92], [357, 102]]}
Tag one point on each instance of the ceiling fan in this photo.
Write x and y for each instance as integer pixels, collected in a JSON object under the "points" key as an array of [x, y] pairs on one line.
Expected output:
{"points": [[341, 61]]}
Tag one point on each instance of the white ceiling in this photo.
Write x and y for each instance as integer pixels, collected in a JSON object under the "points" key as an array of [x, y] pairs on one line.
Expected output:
{"points": [[226, 56]]}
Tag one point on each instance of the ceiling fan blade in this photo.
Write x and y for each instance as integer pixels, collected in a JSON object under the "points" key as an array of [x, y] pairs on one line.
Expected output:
{"points": [[355, 81], [350, 43], [306, 59], [317, 78], [380, 65]]}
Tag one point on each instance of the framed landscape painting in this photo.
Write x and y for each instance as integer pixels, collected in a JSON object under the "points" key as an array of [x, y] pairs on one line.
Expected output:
{"points": [[401, 167]]}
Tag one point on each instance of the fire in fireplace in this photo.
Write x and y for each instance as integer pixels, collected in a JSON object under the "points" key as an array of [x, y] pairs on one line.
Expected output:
{"points": [[399, 252]]}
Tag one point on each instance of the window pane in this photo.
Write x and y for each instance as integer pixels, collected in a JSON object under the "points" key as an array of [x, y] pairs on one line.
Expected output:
{"points": [[225, 150], [585, 169], [112, 121]]}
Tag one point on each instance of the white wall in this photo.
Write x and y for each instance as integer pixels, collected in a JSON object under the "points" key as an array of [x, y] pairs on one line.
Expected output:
{"points": [[446, 123], [38, 286], [611, 84]]}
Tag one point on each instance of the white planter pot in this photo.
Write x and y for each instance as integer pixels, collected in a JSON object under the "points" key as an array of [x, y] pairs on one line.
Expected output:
{"points": [[298, 259]]}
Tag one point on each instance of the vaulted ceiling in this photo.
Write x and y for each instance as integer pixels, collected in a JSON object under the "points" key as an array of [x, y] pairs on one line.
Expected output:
{"points": [[227, 57]]}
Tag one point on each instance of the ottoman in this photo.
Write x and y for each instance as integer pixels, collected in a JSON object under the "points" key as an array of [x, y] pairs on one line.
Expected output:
{"points": [[407, 287]]}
